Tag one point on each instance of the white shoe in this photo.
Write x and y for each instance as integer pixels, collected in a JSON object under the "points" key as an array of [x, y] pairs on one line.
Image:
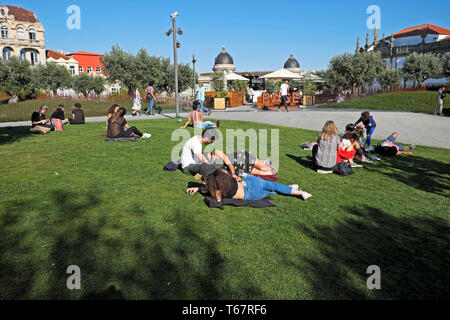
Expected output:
{"points": [[294, 186], [306, 195], [146, 136], [324, 172]]}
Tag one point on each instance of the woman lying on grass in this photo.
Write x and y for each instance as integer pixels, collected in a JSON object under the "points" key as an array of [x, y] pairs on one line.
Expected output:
{"points": [[118, 127], [221, 184]]}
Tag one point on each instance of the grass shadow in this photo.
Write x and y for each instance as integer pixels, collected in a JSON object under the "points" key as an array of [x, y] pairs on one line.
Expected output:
{"points": [[422, 173], [412, 253], [10, 135], [306, 162]]}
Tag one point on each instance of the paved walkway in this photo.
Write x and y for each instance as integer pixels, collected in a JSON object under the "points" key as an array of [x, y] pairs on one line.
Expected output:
{"points": [[421, 129]]}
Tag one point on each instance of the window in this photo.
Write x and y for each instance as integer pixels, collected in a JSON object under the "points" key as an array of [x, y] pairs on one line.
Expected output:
{"points": [[80, 69], [89, 69], [34, 57], [20, 34], [98, 69], [7, 52], [32, 34], [2, 12], [23, 54], [5, 32], [72, 69]]}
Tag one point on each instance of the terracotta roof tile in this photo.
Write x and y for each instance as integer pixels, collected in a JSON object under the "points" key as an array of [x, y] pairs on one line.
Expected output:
{"points": [[21, 14], [56, 55], [414, 31]]}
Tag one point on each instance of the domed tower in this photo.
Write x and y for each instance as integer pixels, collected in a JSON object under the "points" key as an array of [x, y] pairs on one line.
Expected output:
{"points": [[224, 62], [292, 65]]}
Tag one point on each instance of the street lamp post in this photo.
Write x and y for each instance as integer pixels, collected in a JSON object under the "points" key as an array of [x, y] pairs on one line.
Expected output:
{"points": [[176, 45], [193, 63]]}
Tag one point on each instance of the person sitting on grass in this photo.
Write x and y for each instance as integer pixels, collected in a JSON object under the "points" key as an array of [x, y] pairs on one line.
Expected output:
{"points": [[347, 151], [112, 110], [57, 118], [390, 142], [77, 115], [192, 157], [324, 153], [242, 162], [196, 118], [118, 127], [221, 184], [39, 123]]}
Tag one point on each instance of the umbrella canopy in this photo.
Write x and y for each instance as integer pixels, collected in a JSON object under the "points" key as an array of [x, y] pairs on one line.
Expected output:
{"points": [[309, 76], [234, 76], [282, 74]]}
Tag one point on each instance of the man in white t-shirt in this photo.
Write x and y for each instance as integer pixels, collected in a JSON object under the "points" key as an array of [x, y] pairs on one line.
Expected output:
{"points": [[192, 157], [284, 89]]}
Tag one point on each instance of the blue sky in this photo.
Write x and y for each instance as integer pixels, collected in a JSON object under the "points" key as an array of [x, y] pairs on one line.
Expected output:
{"points": [[260, 35]]}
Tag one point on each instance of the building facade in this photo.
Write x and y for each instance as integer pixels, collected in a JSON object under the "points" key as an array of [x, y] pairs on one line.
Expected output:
{"points": [[88, 62], [62, 59], [426, 38], [22, 35]]}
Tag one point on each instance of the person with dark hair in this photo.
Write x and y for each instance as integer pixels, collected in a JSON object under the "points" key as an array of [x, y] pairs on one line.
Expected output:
{"points": [[57, 118], [39, 123], [369, 124], [347, 151], [192, 156], [221, 184], [118, 127], [196, 118], [150, 97], [284, 90], [77, 115], [112, 110], [390, 142]]}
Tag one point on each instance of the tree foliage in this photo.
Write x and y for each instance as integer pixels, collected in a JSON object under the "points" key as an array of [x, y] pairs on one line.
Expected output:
{"points": [[15, 77], [446, 65], [419, 67], [389, 79], [85, 84], [273, 86], [239, 85], [51, 77], [137, 71], [218, 83]]}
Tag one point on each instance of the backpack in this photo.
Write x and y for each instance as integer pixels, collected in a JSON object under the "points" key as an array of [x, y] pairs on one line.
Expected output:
{"points": [[343, 169], [386, 151]]}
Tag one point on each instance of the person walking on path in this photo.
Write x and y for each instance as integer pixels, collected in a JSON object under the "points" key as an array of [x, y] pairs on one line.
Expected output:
{"points": [[284, 89], [440, 102], [201, 97], [137, 103], [150, 96]]}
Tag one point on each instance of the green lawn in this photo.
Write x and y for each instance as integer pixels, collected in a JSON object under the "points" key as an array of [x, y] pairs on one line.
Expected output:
{"points": [[417, 101], [71, 199], [22, 111]]}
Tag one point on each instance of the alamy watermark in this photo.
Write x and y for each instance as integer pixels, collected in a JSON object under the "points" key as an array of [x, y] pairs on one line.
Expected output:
{"points": [[235, 141], [374, 20], [74, 280], [374, 281], [74, 20]]}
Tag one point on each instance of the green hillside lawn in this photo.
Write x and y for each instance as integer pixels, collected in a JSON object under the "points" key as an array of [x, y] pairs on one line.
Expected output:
{"points": [[71, 199], [418, 101], [22, 111]]}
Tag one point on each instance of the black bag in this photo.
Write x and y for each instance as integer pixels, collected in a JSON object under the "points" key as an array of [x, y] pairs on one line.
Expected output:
{"points": [[386, 151], [343, 169]]}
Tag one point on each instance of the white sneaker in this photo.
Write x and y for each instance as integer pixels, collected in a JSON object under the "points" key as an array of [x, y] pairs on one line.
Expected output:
{"points": [[306, 195], [294, 186], [355, 165], [146, 136]]}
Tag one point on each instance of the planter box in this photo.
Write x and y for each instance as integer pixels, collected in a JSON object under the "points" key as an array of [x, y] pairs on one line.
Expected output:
{"points": [[309, 100], [219, 103]]}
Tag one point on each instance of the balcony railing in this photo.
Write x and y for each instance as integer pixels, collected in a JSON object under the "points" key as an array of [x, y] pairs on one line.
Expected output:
{"points": [[442, 46], [20, 42]]}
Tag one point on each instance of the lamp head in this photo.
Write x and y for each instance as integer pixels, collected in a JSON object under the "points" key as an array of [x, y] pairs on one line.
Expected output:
{"points": [[168, 33], [180, 31], [173, 15]]}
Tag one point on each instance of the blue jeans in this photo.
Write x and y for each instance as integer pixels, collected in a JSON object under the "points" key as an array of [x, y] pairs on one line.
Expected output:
{"points": [[204, 125], [151, 105], [202, 107], [369, 135], [392, 139], [257, 188]]}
